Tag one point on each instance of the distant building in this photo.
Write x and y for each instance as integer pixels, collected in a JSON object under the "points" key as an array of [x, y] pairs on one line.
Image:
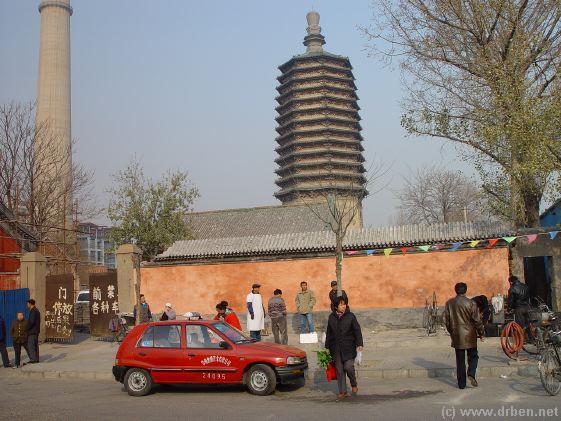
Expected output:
{"points": [[551, 217], [95, 245]]}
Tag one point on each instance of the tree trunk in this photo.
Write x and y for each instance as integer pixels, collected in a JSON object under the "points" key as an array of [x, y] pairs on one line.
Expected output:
{"points": [[526, 198], [531, 209], [339, 262]]}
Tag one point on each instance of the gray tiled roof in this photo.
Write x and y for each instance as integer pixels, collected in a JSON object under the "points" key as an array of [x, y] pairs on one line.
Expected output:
{"points": [[249, 222], [324, 241]]}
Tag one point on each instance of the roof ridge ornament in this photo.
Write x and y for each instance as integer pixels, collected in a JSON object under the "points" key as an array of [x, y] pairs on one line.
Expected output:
{"points": [[314, 40]]}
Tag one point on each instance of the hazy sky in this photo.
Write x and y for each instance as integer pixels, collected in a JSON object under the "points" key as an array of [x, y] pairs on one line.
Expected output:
{"points": [[191, 85]]}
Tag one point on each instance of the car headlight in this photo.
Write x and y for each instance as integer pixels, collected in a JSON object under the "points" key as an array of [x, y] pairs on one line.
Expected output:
{"points": [[293, 360]]}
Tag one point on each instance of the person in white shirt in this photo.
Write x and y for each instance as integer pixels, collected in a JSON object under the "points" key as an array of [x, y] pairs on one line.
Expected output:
{"points": [[255, 313]]}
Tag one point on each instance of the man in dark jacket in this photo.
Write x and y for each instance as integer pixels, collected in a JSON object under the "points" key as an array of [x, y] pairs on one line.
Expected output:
{"points": [[277, 313], [33, 330], [463, 322], [343, 339], [18, 330], [3, 350], [333, 297], [518, 295]]}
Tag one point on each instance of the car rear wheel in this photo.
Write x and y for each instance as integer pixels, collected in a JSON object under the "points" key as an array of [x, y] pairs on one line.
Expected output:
{"points": [[138, 382], [261, 380]]}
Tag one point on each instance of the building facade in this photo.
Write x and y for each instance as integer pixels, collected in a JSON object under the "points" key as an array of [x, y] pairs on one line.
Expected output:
{"points": [[319, 141], [95, 246], [199, 273]]}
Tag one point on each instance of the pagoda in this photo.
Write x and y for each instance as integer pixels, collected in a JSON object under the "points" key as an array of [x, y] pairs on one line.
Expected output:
{"points": [[319, 140]]}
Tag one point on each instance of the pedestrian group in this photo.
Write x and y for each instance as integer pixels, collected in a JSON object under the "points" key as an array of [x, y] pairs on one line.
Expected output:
{"points": [[24, 333]]}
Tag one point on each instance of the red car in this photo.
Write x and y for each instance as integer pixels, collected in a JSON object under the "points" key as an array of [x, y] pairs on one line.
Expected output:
{"points": [[203, 352]]}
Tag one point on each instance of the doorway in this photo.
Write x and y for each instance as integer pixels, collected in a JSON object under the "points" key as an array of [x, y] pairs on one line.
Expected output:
{"points": [[537, 274]]}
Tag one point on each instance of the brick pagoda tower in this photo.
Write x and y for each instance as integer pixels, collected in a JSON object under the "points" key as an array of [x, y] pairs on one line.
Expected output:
{"points": [[319, 141]]}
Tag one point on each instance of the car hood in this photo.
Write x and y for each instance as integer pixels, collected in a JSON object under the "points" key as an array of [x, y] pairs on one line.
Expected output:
{"points": [[281, 350]]}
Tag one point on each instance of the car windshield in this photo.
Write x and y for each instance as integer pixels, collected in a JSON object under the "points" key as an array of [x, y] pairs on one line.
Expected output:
{"points": [[84, 296], [233, 334]]}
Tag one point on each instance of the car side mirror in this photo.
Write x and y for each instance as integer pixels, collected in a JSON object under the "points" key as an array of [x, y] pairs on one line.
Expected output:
{"points": [[223, 345]]}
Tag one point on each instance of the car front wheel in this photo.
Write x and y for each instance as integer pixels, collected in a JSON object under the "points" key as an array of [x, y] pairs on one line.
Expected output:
{"points": [[138, 382], [261, 380]]}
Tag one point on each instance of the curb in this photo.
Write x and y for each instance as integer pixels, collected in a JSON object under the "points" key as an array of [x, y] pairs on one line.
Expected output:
{"points": [[526, 370], [82, 375], [449, 372]]}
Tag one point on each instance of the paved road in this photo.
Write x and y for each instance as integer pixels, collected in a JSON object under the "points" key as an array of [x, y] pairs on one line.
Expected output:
{"points": [[416, 399]]}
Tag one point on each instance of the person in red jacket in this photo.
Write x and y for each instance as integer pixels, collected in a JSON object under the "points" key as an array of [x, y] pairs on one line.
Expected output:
{"points": [[227, 314]]}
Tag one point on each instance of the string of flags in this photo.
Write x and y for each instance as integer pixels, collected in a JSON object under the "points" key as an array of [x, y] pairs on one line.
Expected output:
{"points": [[488, 244]]}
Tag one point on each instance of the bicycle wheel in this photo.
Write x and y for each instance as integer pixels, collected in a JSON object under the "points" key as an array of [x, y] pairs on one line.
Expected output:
{"points": [[550, 371]]}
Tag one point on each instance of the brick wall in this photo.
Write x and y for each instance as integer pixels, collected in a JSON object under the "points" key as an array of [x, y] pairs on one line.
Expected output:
{"points": [[370, 281]]}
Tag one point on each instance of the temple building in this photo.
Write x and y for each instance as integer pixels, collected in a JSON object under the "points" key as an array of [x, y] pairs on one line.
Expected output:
{"points": [[389, 270], [319, 140]]}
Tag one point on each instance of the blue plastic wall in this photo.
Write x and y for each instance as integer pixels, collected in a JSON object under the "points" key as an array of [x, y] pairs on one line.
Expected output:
{"points": [[13, 301]]}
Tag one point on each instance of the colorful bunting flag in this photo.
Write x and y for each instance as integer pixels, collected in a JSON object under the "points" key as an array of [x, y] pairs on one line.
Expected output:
{"points": [[531, 238], [456, 246], [492, 242]]}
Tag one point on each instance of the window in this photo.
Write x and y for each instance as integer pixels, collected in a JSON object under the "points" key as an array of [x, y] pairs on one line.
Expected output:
{"points": [[147, 340], [167, 336], [199, 336], [233, 334]]}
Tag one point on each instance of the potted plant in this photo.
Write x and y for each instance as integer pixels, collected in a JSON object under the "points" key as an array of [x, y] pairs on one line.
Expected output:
{"points": [[326, 362]]}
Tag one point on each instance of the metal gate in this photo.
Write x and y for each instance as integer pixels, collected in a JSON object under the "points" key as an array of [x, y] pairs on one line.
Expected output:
{"points": [[104, 302], [13, 301], [59, 307]]}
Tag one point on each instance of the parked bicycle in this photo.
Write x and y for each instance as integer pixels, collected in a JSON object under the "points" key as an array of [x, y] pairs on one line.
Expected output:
{"points": [[541, 323], [549, 364], [119, 328], [430, 315]]}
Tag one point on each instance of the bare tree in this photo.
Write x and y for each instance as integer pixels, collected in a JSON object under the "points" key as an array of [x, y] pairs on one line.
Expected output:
{"points": [[344, 204], [435, 194], [39, 183], [483, 74]]}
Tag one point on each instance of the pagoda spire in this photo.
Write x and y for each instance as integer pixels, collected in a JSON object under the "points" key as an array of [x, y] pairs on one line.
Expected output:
{"points": [[314, 40]]}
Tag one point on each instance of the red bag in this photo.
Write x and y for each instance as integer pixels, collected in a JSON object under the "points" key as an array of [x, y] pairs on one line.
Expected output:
{"points": [[331, 373]]}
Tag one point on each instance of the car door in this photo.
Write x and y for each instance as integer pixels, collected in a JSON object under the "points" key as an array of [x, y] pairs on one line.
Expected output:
{"points": [[159, 351], [207, 361]]}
